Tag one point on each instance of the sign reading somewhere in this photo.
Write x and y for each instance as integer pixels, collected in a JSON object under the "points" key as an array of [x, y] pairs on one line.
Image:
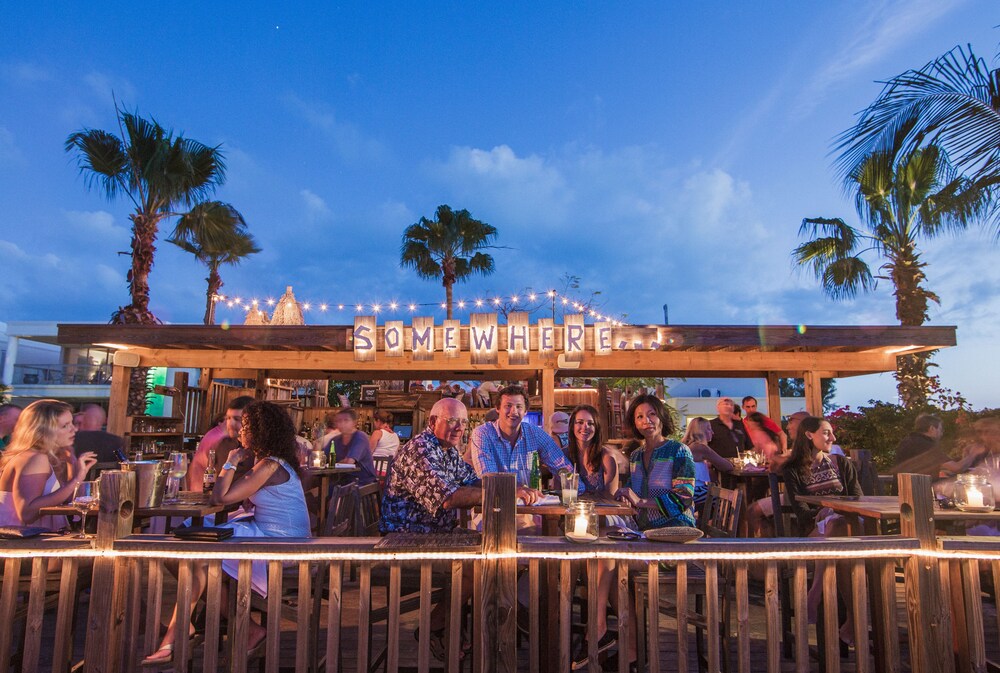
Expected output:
{"points": [[423, 339]]}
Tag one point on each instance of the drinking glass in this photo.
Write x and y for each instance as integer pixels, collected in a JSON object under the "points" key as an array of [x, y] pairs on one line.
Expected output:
{"points": [[178, 470], [86, 497], [570, 486]]}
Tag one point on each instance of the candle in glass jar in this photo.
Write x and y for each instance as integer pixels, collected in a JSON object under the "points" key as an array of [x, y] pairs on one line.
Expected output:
{"points": [[973, 497], [580, 524]]}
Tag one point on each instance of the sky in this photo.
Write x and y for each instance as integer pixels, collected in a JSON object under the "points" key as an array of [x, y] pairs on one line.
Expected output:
{"points": [[663, 153]]}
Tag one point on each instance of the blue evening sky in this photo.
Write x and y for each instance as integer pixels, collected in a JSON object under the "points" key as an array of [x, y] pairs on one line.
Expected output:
{"points": [[663, 152]]}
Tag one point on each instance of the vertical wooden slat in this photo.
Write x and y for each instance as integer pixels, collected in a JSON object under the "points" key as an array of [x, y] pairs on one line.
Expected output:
{"points": [[928, 612], [800, 610], [653, 618], [533, 595], [213, 615], [455, 618], [333, 612], [238, 664], [8, 601], [593, 665], [182, 638], [712, 620], [682, 616], [831, 632], [772, 610], [859, 593], [303, 631], [626, 617], [392, 624], [130, 643], [499, 581], [565, 613], [454, 632], [973, 601], [275, 580], [33, 623], [742, 619], [364, 615], [996, 591], [62, 652], [887, 628], [477, 618], [154, 604]]}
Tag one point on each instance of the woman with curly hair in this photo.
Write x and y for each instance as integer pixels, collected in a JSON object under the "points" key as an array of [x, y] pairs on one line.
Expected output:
{"points": [[279, 506], [28, 480]]}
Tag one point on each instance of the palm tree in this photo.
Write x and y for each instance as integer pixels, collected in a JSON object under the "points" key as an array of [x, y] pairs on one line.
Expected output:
{"points": [[215, 233], [900, 204], [952, 102], [449, 248], [158, 172]]}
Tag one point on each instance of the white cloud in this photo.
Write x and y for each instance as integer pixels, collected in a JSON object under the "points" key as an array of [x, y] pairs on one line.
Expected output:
{"points": [[103, 85], [25, 73], [316, 208], [348, 139], [97, 227]]}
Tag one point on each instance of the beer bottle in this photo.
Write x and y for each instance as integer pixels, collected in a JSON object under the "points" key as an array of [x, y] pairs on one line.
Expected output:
{"points": [[208, 481], [535, 480]]}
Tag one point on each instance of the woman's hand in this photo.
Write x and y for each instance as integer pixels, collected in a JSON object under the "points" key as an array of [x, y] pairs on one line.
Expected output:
{"points": [[84, 462], [627, 495], [235, 456]]}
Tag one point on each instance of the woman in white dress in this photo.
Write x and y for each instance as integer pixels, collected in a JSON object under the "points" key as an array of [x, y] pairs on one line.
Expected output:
{"points": [[384, 441], [27, 469], [273, 486]]}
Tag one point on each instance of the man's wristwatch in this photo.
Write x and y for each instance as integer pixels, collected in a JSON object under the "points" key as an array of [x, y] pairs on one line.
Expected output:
{"points": [[228, 466]]}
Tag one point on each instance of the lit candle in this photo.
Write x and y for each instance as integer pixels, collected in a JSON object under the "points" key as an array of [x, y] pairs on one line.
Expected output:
{"points": [[973, 497], [580, 525]]}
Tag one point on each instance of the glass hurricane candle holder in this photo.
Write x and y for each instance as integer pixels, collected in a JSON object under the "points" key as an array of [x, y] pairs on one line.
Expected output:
{"points": [[974, 493], [317, 458], [582, 522]]}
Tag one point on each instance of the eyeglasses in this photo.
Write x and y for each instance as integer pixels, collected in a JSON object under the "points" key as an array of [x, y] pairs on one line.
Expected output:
{"points": [[456, 422]]}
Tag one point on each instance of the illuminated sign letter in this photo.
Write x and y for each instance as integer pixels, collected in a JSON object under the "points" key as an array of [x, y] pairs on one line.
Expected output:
{"points": [[422, 337], [602, 338], [483, 338], [393, 339], [518, 341], [451, 338], [573, 340], [546, 337], [364, 338]]}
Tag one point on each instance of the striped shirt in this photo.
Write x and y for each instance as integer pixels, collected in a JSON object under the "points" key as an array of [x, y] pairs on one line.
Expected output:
{"points": [[670, 481]]}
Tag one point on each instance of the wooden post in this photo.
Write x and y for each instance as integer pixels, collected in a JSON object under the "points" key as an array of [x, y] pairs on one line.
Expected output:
{"points": [[814, 394], [927, 611], [260, 385], [548, 397], [498, 584], [110, 584], [774, 397], [118, 402], [205, 413]]}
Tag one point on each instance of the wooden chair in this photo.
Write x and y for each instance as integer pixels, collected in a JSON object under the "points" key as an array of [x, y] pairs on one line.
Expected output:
{"points": [[368, 511], [382, 469], [719, 518]]}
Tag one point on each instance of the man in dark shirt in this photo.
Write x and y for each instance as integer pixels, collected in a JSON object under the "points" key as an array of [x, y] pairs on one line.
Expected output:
{"points": [[92, 437], [926, 435], [728, 436]]}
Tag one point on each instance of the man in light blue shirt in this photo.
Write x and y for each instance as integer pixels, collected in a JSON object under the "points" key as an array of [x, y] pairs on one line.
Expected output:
{"points": [[506, 444]]}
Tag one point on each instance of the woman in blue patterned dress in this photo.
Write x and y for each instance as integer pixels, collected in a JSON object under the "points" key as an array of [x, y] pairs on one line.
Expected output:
{"points": [[661, 484]]}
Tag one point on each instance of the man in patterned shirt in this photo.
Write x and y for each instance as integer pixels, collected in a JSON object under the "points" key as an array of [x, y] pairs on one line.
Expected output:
{"points": [[429, 482], [506, 445]]}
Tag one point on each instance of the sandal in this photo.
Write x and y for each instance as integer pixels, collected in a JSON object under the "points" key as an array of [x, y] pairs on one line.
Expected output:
{"points": [[153, 660]]}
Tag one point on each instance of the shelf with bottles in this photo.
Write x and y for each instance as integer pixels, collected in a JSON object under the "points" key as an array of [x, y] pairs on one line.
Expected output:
{"points": [[154, 436]]}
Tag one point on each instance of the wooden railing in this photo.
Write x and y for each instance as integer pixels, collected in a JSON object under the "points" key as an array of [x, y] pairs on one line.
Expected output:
{"points": [[343, 604]]}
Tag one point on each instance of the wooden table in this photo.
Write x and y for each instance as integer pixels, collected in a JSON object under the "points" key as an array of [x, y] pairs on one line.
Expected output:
{"points": [[876, 509], [192, 505], [328, 476]]}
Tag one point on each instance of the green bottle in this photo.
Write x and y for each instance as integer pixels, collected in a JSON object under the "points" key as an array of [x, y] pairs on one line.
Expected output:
{"points": [[535, 480]]}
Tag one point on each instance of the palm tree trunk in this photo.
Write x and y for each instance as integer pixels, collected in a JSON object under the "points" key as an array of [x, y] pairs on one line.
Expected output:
{"points": [[144, 228], [214, 285], [448, 279], [912, 299], [448, 298]]}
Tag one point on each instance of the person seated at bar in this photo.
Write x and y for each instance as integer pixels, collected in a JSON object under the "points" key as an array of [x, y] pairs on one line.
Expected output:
{"points": [[28, 480], [599, 479], [91, 436], [811, 470], [352, 447], [330, 432], [749, 404], [506, 444], [661, 483], [729, 438], [427, 486], [696, 438], [764, 439], [221, 439], [279, 510], [384, 441]]}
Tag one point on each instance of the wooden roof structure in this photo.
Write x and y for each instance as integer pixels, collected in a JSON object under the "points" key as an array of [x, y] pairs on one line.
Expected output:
{"points": [[315, 351]]}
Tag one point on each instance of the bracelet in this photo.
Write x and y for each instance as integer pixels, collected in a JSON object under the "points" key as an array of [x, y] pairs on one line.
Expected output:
{"points": [[228, 466]]}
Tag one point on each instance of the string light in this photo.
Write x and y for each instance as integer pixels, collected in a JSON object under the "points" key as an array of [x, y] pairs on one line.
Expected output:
{"points": [[512, 300]]}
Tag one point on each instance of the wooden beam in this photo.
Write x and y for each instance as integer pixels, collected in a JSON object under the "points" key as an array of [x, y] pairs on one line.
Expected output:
{"points": [[548, 397], [118, 402], [773, 397], [814, 394]]}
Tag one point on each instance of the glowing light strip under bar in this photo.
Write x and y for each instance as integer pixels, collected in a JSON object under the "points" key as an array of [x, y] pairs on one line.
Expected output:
{"points": [[786, 555]]}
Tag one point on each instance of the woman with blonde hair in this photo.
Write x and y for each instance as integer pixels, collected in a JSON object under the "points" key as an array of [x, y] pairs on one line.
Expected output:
{"points": [[28, 480], [696, 437]]}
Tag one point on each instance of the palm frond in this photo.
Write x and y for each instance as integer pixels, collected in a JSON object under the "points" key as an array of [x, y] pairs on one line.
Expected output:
{"points": [[101, 159], [846, 277]]}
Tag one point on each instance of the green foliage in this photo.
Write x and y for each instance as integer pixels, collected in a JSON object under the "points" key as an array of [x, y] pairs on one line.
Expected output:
{"points": [[352, 389], [4, 398], [797, 388]]}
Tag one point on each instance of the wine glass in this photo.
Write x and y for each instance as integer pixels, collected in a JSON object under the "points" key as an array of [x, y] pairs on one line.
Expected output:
{"points": [[177, 471], [86, 497]]}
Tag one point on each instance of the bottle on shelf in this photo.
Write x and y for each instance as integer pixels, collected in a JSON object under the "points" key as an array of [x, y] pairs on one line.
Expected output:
{"points": [[208, 481]]}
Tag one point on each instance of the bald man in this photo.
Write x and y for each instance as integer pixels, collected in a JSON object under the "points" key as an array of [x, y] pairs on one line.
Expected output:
{"points": [[92, 437]]}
